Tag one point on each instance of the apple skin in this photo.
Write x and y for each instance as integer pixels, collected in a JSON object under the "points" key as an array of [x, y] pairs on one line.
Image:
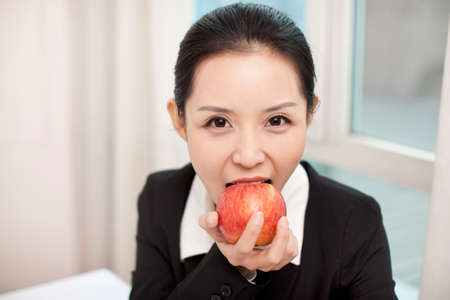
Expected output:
{"points": [[239, 202]]}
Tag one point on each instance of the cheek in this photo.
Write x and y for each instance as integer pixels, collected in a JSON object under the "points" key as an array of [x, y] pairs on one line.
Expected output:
{"points": [[207, 155], [287, 148]]}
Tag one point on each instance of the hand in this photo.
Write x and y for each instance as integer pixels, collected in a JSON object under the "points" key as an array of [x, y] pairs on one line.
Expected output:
{"points": [[282, 250]]}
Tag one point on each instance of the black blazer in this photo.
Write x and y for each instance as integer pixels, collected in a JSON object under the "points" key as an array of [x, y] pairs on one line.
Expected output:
{"points": [[345, 253]]}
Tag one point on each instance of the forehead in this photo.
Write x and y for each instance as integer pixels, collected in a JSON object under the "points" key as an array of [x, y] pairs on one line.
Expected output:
{"points": [[239, 77]]}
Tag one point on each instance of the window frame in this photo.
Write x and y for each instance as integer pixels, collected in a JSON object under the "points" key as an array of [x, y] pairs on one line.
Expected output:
{"points": [[330, 30]]}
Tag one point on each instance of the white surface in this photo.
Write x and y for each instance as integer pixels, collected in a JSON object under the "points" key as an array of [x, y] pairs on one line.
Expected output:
{"points": [[98, 284]]}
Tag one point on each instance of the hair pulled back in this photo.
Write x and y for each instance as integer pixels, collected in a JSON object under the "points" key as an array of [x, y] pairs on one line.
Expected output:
{"points": [[238, 27]]}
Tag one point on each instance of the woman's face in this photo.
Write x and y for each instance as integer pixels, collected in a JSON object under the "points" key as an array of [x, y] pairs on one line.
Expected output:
{"points": [[246, 117]]}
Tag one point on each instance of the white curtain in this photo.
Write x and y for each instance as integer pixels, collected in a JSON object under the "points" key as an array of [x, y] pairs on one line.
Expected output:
{"points": [[146, 41], [83, 88]]}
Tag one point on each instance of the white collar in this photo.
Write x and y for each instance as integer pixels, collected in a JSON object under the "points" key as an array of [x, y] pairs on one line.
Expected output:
{"points": [[194, 240]]}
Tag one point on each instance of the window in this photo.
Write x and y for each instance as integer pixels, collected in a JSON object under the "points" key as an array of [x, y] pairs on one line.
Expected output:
{"points": [[398, 68]]}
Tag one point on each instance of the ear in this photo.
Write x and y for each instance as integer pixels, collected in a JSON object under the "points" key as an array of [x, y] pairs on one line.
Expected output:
{"points": [[314, 109], [177, 122]]}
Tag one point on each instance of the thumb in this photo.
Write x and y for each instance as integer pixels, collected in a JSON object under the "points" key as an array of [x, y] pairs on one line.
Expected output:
{"points": [[209, 220]]}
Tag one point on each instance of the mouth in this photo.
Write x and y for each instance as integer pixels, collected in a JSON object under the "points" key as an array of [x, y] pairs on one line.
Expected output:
{"points": [[269, 181]]}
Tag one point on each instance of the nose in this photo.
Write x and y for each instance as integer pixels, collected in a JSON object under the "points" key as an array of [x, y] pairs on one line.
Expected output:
{"points": [[248, 151]]}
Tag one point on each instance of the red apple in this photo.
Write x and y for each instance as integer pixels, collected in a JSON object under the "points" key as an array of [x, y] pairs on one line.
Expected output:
{"points": [[239, 202]]}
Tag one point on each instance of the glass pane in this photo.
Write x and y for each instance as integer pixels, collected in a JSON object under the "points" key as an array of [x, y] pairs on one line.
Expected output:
{"points": [[398, 68], [294, 9], [405, 213]]}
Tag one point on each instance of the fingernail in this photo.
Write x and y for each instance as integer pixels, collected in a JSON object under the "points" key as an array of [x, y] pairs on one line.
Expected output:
{"points": [[284, 222], [259, 218]]}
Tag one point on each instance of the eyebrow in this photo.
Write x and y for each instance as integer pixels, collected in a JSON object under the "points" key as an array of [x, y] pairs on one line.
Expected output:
{"points": [[226, 110]]}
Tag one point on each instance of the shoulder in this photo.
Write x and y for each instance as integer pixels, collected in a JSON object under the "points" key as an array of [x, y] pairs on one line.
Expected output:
{"points": [[166, 178], [342, 214], [171, 180], [340, 218], [341, 196], [336, 197], [165, 192]]}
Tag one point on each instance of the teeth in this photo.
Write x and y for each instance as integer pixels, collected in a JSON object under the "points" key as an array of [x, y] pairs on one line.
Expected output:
{"points": [[252, 182]]}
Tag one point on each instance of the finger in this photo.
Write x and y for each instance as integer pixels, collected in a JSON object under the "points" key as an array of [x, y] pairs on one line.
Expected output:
{"points": [[251, 232], [291, 251], [209, 222], [276, 252]]}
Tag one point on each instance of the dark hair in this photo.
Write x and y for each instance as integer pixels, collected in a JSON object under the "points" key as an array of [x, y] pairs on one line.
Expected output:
{"points": [[237, 27]]}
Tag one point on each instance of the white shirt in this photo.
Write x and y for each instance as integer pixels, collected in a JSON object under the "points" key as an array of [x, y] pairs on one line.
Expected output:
{"points": [[194, 240]]}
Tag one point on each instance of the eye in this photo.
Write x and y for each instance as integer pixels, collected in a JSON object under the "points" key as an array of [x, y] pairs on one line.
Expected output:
{"points": [[217, 122], [278, 121]]}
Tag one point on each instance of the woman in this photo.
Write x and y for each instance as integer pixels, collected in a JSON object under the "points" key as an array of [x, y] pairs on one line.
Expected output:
{"points": [[244, 98]]}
